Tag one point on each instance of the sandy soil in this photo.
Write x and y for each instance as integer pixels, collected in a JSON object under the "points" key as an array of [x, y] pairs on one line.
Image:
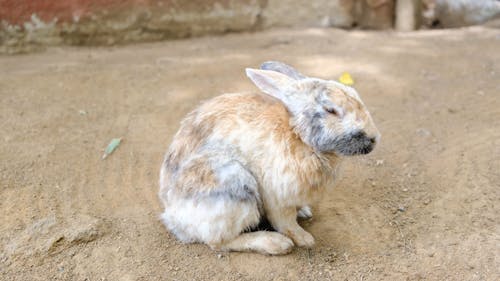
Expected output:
{"points": [[424, 205]]}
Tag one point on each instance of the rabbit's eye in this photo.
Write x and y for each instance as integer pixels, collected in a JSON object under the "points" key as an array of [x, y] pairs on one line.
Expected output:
{"points": [[331, 110]]}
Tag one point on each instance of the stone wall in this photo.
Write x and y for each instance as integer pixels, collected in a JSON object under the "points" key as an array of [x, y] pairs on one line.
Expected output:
{"points": [[373, 14], [26, 25], [456, 13]]}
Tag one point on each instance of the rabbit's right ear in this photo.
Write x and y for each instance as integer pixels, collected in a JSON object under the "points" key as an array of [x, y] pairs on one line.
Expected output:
{"points": [[271, 82]]}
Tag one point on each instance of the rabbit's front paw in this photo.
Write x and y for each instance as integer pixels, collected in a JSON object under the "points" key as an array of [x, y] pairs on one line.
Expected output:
{"points": [[301, 238]]}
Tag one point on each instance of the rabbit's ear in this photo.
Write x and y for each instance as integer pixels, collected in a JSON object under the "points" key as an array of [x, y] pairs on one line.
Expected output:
{"points": [[271, 82], [282, 68]]}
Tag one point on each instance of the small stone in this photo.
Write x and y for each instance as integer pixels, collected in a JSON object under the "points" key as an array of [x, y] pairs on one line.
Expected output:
{"points": [[379, 162], [401, 208], [423, 132], [219, 256], [427, 201]]}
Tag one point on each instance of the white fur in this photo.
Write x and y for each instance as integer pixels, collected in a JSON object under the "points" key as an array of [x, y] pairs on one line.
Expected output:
{"points": [[208, 221], [224, 171]]}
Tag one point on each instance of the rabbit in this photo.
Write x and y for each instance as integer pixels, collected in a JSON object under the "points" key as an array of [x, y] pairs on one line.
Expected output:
{"points": [[239, 158]]}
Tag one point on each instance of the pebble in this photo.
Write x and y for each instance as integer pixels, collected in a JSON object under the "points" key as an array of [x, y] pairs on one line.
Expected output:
{"points": [[423, 132]]}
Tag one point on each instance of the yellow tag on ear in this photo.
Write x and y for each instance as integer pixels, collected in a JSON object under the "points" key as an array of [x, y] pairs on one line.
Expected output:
{"points": [[346, 79]]}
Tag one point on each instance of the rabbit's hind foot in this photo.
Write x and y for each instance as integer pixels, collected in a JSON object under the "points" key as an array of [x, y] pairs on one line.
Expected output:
{"points": [[264, 242]]}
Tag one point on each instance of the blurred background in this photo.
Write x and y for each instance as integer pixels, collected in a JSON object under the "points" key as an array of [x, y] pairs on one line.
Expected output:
{"points": [[26, 24]]}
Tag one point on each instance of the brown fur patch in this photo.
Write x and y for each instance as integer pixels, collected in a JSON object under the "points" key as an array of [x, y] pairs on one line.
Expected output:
{"points": [[195, 176], [267, 117]]}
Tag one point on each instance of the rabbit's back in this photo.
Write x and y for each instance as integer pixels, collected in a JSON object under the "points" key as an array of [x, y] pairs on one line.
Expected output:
{"points": [[211, 178], [254, 130], [236, 126]]}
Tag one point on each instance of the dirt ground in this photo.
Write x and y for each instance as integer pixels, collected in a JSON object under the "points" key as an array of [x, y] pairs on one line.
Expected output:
{"points": [[425, 205]]}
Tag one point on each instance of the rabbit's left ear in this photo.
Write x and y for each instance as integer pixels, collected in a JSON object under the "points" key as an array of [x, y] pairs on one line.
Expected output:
{"points": [[282, 68], [272, 83]]}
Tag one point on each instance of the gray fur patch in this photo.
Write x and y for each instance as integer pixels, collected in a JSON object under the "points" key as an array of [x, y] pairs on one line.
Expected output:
{"points": [[168, 165], [234, 181], [355, 143], [282, 68]]}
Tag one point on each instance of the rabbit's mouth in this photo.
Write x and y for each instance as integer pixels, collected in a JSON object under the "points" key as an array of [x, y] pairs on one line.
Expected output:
{"points": [[354, 144]]}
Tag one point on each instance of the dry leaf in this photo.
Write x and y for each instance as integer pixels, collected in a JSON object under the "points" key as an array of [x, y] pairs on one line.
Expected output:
{"points": [[113, 144], [346, 79]]}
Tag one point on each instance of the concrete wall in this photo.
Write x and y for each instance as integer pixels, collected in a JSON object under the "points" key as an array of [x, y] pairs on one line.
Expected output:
{"points": [[373, 14], [456, 13], [28, 24]]}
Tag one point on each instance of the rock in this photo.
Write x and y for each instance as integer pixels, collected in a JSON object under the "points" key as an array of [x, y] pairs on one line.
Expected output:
{"points": [[82, 229], [29, 241], [423, 132], [50, 234]]}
